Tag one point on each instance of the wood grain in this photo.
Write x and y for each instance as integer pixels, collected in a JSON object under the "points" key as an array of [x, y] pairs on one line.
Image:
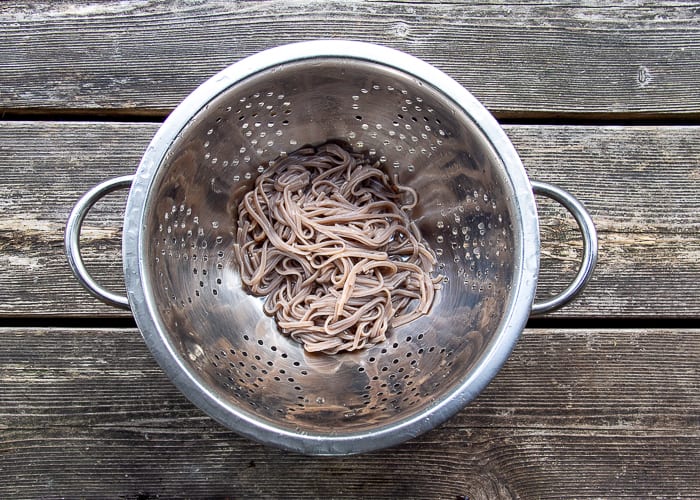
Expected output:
{"points": [[640, 184], [87, 413], [549, 59], [579, 412]]}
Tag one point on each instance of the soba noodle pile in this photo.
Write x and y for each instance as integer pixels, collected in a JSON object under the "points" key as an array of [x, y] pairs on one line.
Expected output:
{"points": [[326, 237]]}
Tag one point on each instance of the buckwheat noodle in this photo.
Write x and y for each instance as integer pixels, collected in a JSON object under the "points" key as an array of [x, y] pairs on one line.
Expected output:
{"points": [[326, 237]]}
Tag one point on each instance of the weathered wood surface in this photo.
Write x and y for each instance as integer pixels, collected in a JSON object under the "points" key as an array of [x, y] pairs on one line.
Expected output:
{"points": [[588, 412], [545, 59], [573, 413], [641, 185]]}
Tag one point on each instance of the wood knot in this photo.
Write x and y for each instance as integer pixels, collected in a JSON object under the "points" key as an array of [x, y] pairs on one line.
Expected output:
{"points": [[643, 76]]}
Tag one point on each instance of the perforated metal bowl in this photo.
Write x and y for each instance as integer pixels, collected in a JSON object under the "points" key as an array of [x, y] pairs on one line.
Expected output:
{"points": [[476, 210]]}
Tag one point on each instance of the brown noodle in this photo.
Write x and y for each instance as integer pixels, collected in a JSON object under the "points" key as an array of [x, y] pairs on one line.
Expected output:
{"points": [[326, 237]]}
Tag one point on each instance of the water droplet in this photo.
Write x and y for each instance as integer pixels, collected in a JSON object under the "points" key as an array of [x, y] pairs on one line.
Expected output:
{"points": [[440, 224]]}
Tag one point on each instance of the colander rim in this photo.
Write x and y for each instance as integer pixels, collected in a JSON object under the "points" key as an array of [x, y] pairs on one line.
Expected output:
{"points": [[145, 311]]}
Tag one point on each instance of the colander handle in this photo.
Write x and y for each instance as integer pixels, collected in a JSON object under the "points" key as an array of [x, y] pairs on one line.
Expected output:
{"points": [[72, 240], [590, 246]]}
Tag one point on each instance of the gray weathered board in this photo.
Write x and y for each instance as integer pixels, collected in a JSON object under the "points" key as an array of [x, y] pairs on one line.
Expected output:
{"points": [[574, 413], [521, 59], [601, 99], [641, 184]]}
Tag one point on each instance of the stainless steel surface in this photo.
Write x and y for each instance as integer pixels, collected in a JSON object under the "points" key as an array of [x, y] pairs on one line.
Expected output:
{"points": [[72, 240], [590, 246], [476, 210]]}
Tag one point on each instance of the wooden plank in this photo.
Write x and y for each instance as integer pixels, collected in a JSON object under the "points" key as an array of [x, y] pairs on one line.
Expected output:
{"points": [[640, 184], [546, 59], [45, 169], [573, 413]]}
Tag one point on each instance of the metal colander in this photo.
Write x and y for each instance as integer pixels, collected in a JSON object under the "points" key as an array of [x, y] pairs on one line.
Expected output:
{"points": [[476, 210]]}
